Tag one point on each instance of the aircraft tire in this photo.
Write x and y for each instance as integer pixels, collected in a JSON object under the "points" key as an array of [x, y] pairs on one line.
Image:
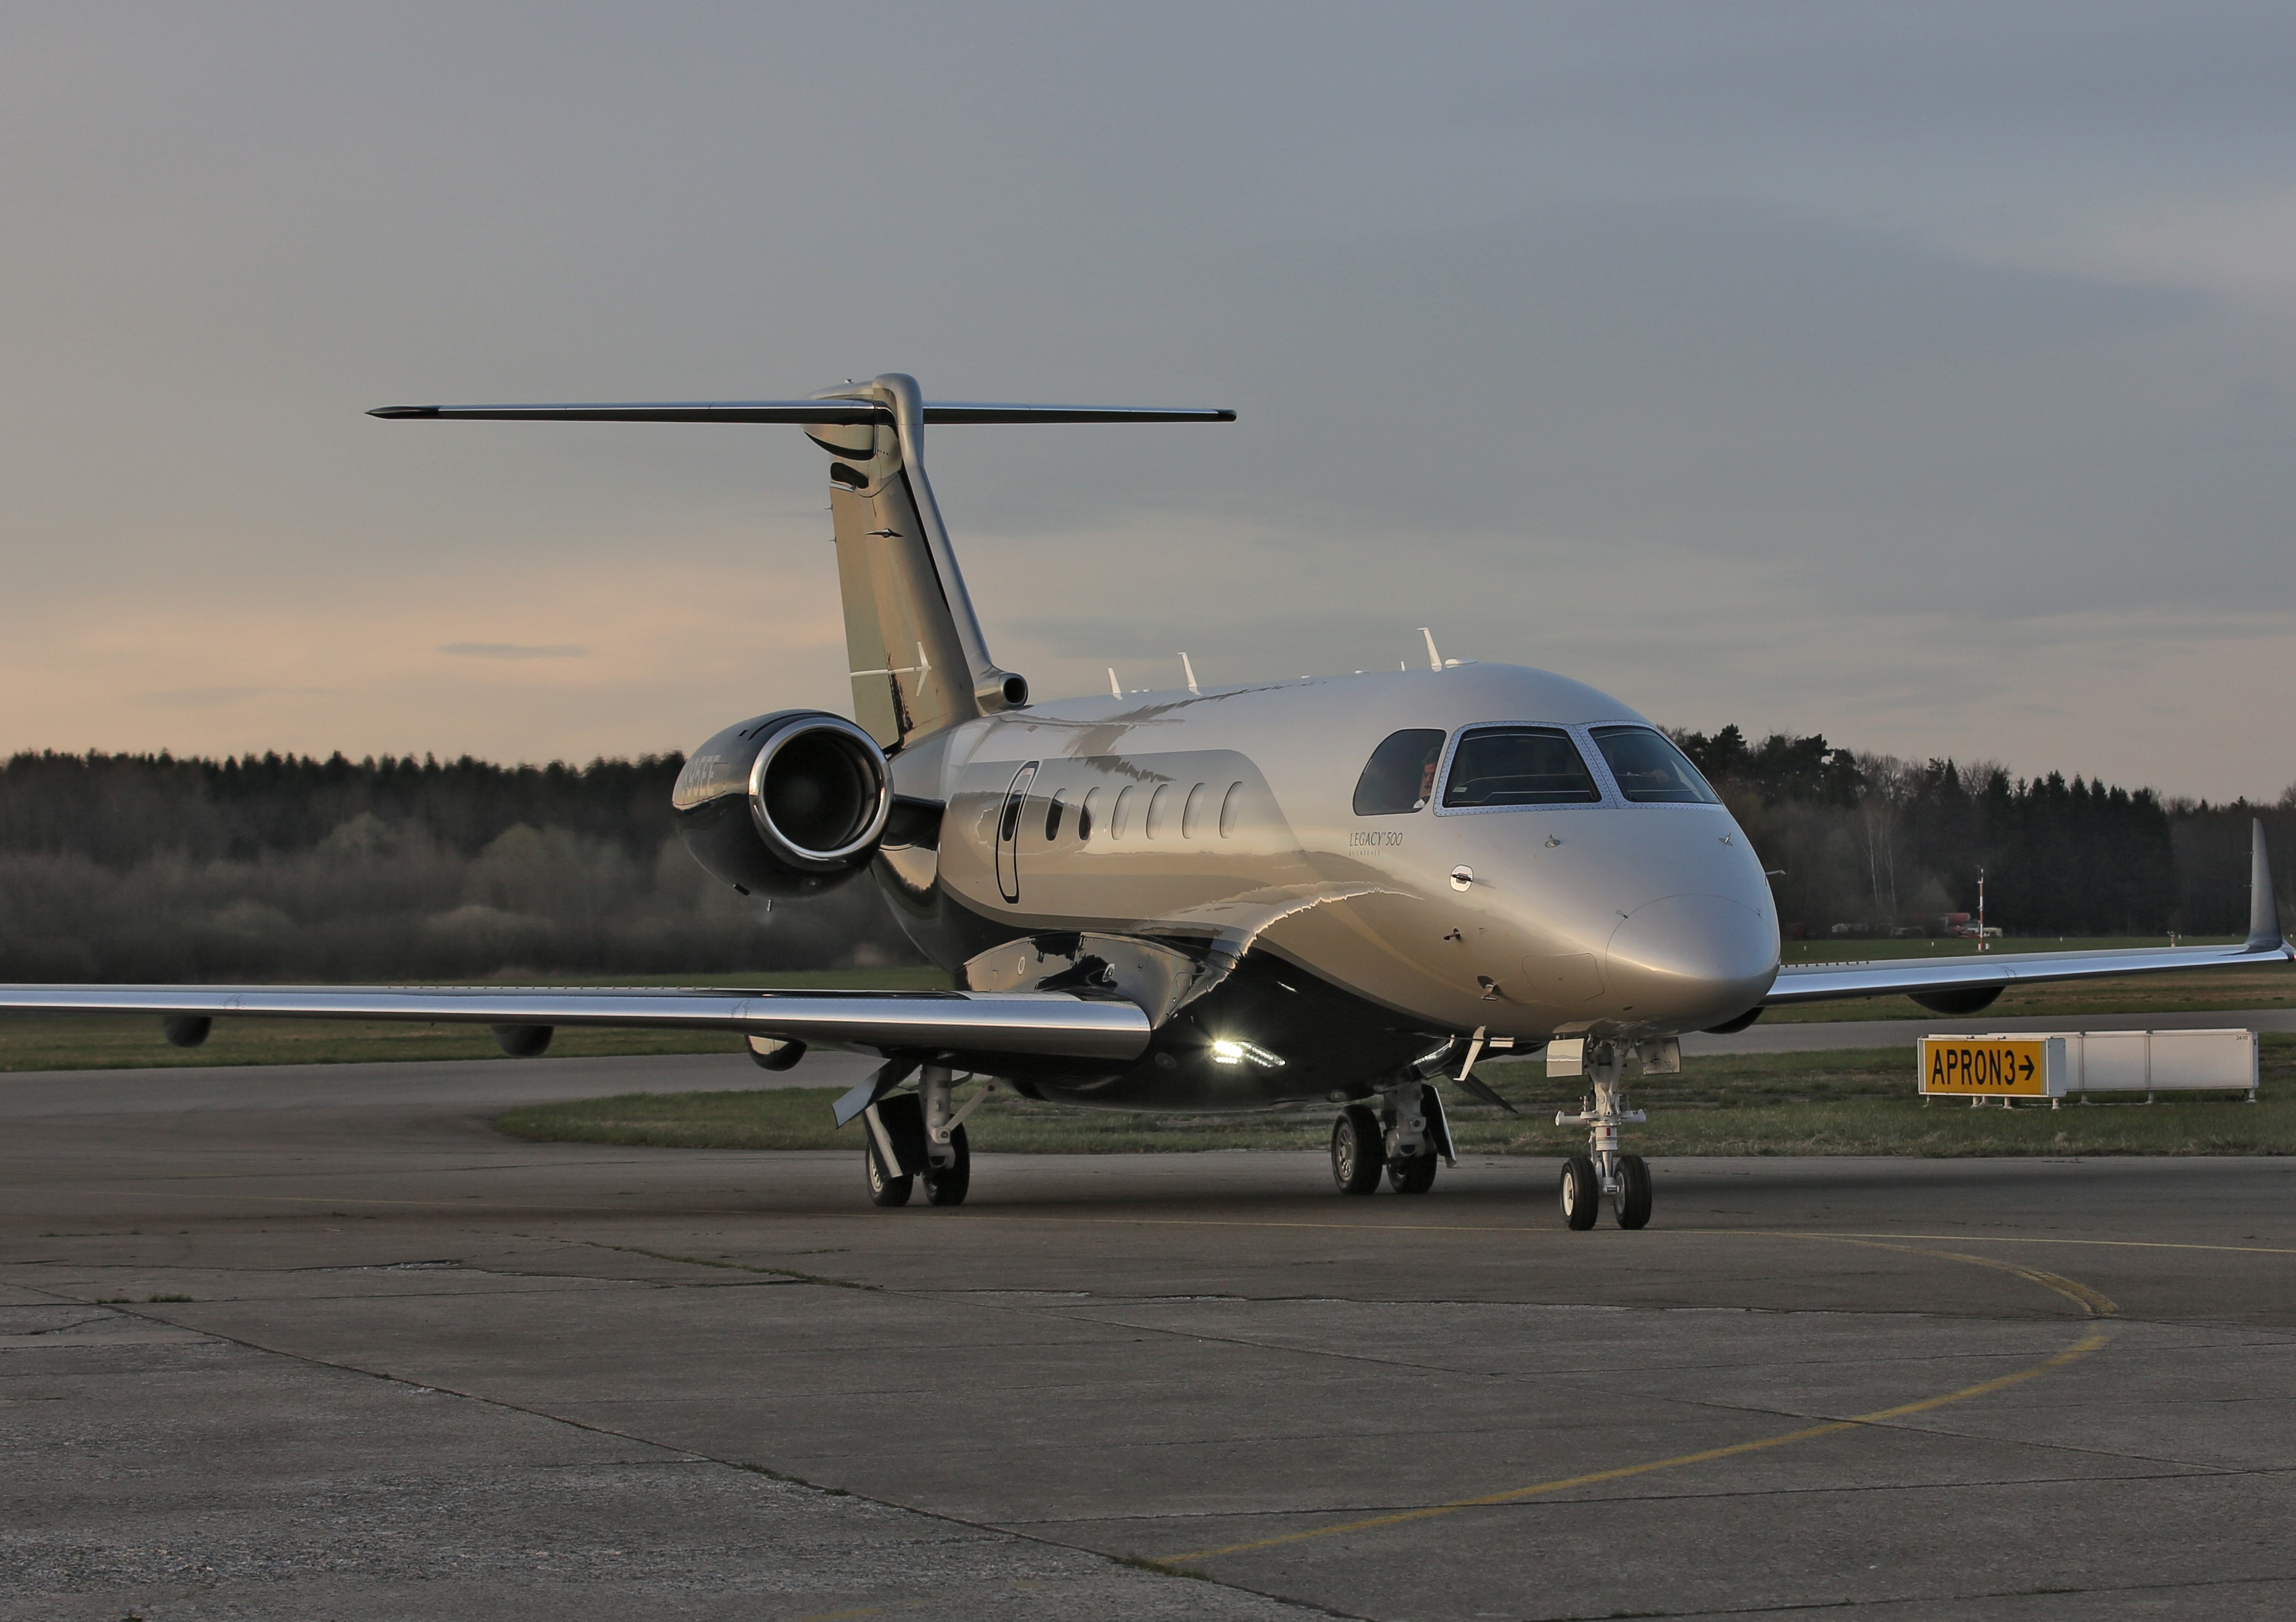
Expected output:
{"points": [[1634, 1191], [1359, 1150], [885, 1190], [1413, 1175], [948, 1184], [1582, 1194]]}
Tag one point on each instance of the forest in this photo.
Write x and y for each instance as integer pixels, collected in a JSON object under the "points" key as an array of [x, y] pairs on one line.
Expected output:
{"points": [[138, 867], [1873, 844], [148, 867]]}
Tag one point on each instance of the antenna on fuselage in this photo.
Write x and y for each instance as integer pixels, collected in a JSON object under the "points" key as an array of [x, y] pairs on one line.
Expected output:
{"points": [[1189, 670]]}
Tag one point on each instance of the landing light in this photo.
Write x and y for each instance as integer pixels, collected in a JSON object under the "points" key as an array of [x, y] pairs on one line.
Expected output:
{"points": [[1226, 1051]]}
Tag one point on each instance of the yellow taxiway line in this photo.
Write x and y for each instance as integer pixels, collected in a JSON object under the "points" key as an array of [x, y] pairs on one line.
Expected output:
{"points": [[2092, 1303]]}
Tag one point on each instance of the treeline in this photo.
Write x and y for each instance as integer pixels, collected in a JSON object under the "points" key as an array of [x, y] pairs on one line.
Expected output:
{"points": [[141, 867], [1881, 845], [144, 867]]}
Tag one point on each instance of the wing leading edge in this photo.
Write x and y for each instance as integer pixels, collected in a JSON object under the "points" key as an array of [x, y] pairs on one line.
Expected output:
{"points": [[2267, 943], [1038, 1024]]}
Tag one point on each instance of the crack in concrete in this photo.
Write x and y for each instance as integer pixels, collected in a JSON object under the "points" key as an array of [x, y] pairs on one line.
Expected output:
{"points": [[689, 1456]]}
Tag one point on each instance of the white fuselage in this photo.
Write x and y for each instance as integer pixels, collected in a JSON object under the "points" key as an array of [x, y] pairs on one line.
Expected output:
{"points": [[1229, 815]]}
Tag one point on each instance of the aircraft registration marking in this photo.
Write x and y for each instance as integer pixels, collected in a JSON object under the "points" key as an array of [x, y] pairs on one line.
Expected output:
{"points": [[1994, 1066]]}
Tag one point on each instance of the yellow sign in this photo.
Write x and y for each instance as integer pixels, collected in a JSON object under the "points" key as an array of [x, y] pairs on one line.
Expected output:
{"points": [[1993, 1066]]}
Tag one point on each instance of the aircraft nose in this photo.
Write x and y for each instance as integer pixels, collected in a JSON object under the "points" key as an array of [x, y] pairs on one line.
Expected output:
{"points": [[1691, 959]]}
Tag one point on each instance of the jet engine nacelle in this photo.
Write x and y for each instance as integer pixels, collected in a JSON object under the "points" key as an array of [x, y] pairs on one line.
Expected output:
{"points": [[787, 805]]}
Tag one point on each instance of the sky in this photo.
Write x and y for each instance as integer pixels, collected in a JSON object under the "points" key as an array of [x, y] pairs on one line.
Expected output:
{"points": [[1922, 375]]}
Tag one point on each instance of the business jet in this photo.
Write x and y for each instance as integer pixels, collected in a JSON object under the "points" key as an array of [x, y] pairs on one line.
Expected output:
{"points": [[1331, 892]]}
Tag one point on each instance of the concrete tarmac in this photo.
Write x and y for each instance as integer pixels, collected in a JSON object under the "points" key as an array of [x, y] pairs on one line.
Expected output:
{"points": [[271, 1352]]}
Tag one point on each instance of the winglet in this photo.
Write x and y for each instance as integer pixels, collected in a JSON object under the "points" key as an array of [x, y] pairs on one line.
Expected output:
{"points": [[2263, 931]]}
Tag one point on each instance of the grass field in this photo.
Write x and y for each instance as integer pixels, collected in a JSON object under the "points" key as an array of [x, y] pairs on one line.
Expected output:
{"points": [[1859, 1102], [62, 1042]]}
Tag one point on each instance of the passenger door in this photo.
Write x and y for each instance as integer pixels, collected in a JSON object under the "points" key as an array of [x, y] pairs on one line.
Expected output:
{"points": [[1008, 833]]}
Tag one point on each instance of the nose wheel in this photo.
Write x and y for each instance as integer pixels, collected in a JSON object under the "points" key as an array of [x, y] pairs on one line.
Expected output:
{"points": [[1631, 1201], [1603, 1168], [1582, 1194]]}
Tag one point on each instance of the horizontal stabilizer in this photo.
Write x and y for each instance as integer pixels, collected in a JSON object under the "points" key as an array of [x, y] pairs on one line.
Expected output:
{"points": [[802, 411]]}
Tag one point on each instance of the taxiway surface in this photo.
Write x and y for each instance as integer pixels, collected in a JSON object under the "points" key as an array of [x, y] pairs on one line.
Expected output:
{"points": [[357, 1355]]}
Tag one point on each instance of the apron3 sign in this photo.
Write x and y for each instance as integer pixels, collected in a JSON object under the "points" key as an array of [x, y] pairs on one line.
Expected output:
{"points": [[1993, 1066]]}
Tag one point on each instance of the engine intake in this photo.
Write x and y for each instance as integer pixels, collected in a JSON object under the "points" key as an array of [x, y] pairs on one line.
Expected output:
{"points": [[786, 805]]}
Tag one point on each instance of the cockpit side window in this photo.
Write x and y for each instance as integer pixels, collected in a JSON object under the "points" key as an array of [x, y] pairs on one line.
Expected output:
{"points": [[1519, 765], [1651, 770], [1400, 775]]}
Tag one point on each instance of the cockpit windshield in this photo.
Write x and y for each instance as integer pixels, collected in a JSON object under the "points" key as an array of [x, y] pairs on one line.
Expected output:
{"points": [[1401, 774], [1651, 770], [1519, 765]]}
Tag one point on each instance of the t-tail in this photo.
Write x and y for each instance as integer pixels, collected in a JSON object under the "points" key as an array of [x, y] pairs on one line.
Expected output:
{"points": [[919, 661]]}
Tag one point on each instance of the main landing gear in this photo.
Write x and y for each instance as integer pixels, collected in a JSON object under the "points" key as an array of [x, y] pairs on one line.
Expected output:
{"points": [[1405, 1139], [915, 1138], [1604, 1169]]}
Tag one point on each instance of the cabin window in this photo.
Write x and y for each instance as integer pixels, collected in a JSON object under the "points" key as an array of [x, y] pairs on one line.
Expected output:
{"points": [[1399, 777], [1120, 823], [1230, 805], [1192, 814], [1087, 814], [1052, 810], [1650, 769], [1519, 765], [1157, 824]]}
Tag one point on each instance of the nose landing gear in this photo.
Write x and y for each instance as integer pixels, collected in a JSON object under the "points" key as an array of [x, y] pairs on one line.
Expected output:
{"points": [[1604, 1169]]}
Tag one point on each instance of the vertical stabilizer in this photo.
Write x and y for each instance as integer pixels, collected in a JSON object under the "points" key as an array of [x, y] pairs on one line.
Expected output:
{"points": [[918, 660]]}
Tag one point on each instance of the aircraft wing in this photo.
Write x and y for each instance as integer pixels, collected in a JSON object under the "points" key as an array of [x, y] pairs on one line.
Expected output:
{"points": [[1994, 971], [1819, 982], [1037, 1024]]}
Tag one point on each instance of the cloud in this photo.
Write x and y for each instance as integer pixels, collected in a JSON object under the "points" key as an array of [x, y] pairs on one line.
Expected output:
{"points": [[515, 650], [210, 698], [1921, 376]]}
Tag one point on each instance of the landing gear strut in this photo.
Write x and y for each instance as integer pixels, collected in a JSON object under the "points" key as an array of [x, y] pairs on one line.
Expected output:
{"points": [[1408, 1139], [1604, 1169], [948, 1157], [916, 1137], [1416, 1136]]}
